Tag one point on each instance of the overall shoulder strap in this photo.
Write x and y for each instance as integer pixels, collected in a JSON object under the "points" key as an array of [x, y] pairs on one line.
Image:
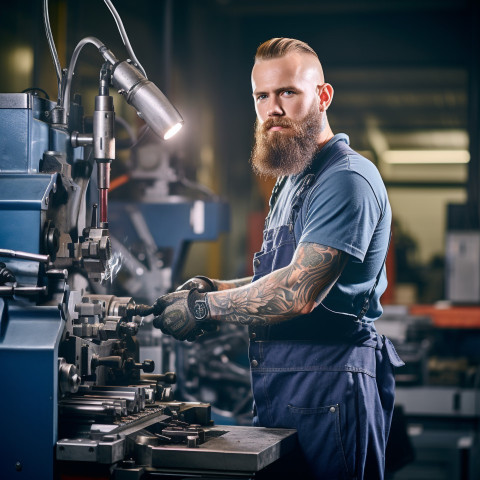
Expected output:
{"points": [[273, 197], [319, 165]]}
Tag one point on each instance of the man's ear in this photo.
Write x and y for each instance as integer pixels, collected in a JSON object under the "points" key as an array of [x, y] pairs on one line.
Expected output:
{"points": [[325, 95]]}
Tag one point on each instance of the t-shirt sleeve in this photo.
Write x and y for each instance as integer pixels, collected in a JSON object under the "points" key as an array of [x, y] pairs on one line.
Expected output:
{"points": [[341, 212]]}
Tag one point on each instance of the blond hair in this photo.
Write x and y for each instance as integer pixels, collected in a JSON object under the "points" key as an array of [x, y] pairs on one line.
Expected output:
{"points": [[279, 47]]}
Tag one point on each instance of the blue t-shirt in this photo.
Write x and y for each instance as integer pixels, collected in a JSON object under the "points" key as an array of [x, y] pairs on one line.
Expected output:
{"points": [[347, 208]]}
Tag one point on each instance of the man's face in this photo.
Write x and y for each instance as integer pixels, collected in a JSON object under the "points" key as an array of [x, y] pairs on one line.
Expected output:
{"points": [[289, 117], [285, 87]]}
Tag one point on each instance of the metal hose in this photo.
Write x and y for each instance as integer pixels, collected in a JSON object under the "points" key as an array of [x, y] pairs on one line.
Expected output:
{"points": [[68, 85], [53, 50], [124, 36]]}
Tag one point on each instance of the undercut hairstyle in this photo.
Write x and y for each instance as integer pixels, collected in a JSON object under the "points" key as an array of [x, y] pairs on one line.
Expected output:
{"points": [[279, 47]]}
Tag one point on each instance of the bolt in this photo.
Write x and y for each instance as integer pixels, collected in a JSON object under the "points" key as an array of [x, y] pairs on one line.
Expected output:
{"points": [[18, 467]]}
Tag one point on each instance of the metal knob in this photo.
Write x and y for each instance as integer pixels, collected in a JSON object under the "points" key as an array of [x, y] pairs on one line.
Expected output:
{"points": [[68, 379]]}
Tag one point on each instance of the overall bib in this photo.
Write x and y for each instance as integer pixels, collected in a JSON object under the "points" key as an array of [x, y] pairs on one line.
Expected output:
{"points": [[328, 375]]}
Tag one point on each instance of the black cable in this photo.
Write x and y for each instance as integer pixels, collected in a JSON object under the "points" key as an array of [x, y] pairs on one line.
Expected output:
{"points": [[36, 89]]}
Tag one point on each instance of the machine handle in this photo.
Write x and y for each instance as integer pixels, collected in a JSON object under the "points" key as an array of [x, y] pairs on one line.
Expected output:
{"points": [[112, 362], [24, 255], [168, 377]]}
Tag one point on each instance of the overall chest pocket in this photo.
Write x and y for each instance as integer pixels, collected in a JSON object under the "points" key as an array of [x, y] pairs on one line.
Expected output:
{"points": [[262, 263], [266, 262], [277, 251]]}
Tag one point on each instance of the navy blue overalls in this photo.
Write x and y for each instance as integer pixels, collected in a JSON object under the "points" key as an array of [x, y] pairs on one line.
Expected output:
{"points": [[328, 375]]}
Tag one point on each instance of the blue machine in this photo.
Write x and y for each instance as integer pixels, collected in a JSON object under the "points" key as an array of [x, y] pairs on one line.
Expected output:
{"points": [[70, 357], [40, 241], [29, 337], [30, 340]]}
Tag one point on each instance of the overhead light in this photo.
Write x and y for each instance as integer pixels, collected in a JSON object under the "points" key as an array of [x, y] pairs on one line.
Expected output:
{"points": [[412, 157]]}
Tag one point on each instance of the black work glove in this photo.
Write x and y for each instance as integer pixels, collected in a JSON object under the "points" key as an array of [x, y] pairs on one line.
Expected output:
{"points": [[203, 284], [176, 315]]}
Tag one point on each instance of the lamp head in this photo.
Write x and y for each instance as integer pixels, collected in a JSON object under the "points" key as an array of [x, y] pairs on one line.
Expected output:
{"points": [[149, 101]]}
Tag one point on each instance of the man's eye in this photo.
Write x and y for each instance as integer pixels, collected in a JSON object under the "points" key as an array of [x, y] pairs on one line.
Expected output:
{"points": [[261, 97], [288, 93]]}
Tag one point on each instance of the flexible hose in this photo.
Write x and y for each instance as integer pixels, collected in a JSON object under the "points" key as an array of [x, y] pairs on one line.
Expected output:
{"points": [[64, 87], [53, 50], [124, 36], [68, 85]]}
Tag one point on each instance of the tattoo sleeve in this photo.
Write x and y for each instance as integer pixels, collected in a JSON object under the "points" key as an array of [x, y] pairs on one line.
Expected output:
{"points": [[283, 294]]}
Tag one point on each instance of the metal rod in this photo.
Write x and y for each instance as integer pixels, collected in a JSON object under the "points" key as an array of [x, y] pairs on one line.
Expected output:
{"points": [[89, 410], [133, 401], [103, 206], [24, 255], [6, 291], [116, 403]]}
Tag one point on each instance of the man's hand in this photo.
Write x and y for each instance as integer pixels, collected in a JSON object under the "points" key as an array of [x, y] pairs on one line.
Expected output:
{"points": [[176, 315], [202, 284]]}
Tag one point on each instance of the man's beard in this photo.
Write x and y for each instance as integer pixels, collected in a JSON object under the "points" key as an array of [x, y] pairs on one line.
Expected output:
{"points": [[286, 152]]}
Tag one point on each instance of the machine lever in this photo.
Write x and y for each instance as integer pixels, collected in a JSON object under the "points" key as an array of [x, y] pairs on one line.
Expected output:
{"points": [[6, 291], [112, 362], [168, 377], [147, 366], [94, 221], [24, 255], [139, 309]]}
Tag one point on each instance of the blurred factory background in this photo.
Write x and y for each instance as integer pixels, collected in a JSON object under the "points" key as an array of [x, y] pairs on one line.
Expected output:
{"points": [[406, 75]]}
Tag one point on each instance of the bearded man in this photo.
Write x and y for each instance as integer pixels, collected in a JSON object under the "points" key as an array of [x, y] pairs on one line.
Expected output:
{"points": [[317, 362]]}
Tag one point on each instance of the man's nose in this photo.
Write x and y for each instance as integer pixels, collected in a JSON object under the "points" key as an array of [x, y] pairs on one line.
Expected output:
{"points": [[274, 107]]}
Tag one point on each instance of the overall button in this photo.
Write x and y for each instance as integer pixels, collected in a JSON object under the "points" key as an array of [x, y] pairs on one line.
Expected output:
{"points": [[254, 363], [253, 335], [332, 409], [256, 262]]}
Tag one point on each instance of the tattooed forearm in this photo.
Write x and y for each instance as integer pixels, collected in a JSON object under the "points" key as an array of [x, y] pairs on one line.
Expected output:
{"points": [[283, 294], [228, 284]]}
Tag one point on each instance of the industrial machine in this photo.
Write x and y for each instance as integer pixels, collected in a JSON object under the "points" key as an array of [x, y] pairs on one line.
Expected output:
{"points": [[78, 401]]}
